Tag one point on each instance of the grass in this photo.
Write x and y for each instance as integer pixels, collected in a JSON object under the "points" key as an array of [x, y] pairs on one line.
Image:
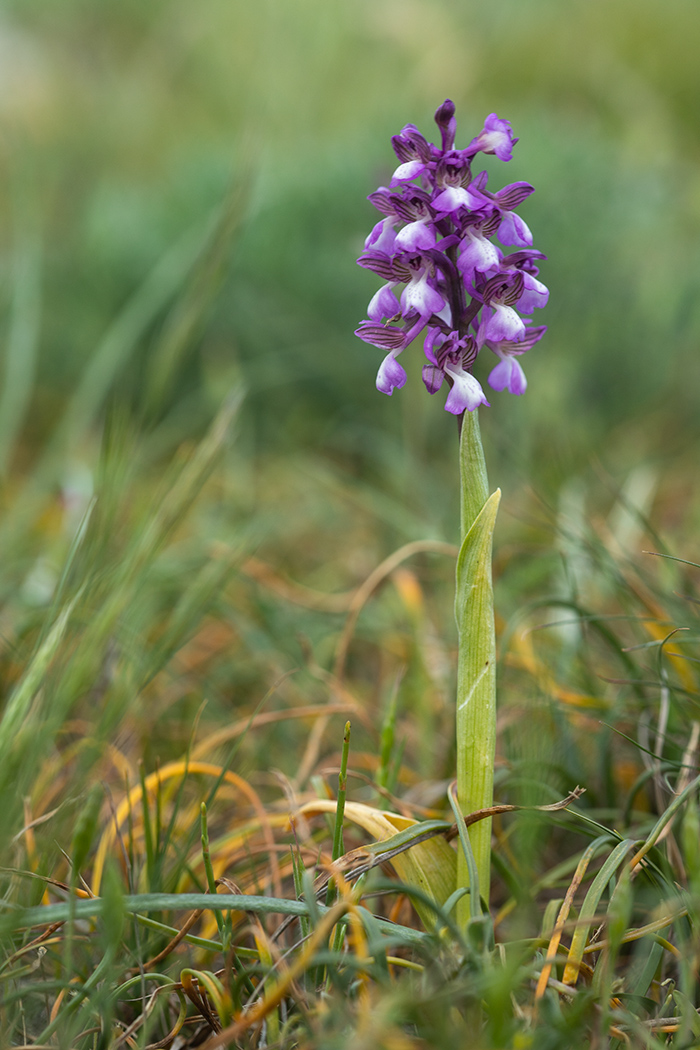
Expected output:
{"points": [[173, 727], [220, 548]]}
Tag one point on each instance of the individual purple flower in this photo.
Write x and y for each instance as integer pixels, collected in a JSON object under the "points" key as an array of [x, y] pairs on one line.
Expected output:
{"points": [[412, 151], [478, 254], [495, 137], [453, 198], [459, 290], [535, 295], [508, 373], [513, 229], [502, 323], [420, 296], [466, 393], [449, 358], [409, 144], [416, 236]]}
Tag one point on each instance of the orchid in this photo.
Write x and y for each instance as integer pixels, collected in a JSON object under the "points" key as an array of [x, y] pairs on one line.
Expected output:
{"points": [[460, 291], [459, 269]]}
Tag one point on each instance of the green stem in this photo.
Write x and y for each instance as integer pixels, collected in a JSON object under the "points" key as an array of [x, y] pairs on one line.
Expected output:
{"points": [[340, 811], [474, 482], [476, 672]]}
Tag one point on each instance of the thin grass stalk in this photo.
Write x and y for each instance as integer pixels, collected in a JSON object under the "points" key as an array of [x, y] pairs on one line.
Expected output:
{"points": [[342, 793], [338, 848], [476, 672], [147, 829]]}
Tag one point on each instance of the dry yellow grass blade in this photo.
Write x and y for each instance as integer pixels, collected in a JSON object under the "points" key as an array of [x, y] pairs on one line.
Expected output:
{"points": [[293, 592], [167, 772], [561, 922], [430, 866], [523, 655], [230, 732]]}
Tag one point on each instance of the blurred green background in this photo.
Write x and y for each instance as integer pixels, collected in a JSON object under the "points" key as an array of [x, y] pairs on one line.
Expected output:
{"points": [[126, 127]]}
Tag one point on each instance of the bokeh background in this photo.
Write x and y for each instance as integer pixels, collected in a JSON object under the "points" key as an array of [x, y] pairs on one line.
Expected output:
{"points": [[126, 126], [182, 200]]}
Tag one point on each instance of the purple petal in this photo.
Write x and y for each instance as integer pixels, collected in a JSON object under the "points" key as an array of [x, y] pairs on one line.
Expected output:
{"points": [[383, 336], [420, 145], [385, 267], [466, 392], [499, 377], [533, 334], [511, 196], [415, 237], [432, 377], [383, 304], [391, 376], [477, 254], [513, 230], [382, 237], [525, 260], [504, 325], [445, 314], [508, 375], [535, 294], [434, 339], [409, 144], [518, 382], [405, 172], [454, 197], [420, 296], [445, 120], [383, 200]]}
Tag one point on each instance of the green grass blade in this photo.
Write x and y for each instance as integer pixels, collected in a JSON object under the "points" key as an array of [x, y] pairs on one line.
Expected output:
{"points": [[590, 907], [16, 725]]}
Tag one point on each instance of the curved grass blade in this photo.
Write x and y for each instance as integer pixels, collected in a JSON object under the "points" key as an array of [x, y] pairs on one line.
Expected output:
{"points": [[430, 864], [590, 907]]}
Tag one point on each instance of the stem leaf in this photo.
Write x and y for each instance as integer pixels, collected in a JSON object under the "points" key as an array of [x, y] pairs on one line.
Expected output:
{"points": [[476, 686]]}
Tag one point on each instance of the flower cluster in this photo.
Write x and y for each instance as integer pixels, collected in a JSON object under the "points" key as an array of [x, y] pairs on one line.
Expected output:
{"points": [[459, 288]]}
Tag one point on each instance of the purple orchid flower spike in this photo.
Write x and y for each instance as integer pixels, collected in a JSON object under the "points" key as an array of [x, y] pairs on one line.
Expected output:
{"points": [[444, 277]]}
